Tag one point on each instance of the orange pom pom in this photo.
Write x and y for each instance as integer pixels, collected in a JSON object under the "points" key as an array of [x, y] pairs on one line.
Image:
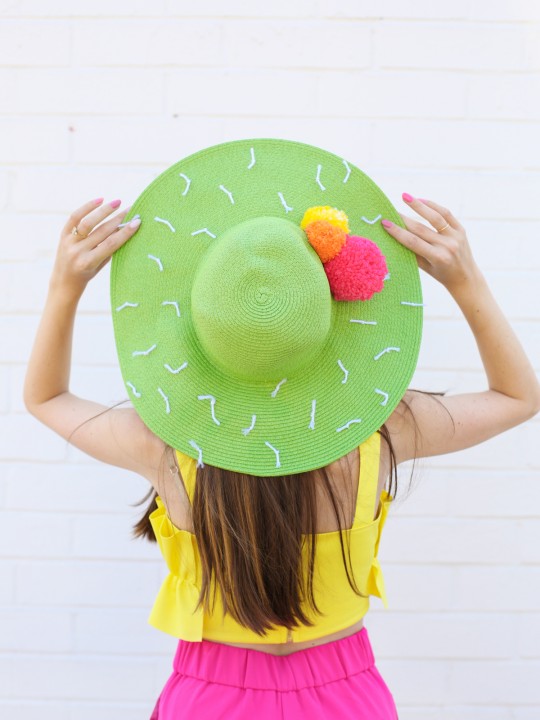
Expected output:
{"points": [[325, 238]]}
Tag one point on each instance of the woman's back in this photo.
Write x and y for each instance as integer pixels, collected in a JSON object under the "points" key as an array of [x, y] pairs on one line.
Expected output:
{"points": [[345, 473], [340, 608]]}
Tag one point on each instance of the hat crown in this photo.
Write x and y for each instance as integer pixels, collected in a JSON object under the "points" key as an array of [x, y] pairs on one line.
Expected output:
{"points": [[260, 301]]}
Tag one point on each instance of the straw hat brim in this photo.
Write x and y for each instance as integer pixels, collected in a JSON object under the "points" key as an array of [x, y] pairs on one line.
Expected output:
{"points": [[320, 413]]}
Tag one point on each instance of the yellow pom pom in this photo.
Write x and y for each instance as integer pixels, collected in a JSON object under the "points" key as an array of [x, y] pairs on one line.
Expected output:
{"points": [[330, 214]]}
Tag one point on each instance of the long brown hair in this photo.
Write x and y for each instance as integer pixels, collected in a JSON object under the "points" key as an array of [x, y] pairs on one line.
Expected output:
{"points": [[249, 533]]}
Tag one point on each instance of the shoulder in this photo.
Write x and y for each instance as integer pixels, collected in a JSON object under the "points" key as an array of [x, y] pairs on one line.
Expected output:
{"points": [[138, 448], [406, 425]]}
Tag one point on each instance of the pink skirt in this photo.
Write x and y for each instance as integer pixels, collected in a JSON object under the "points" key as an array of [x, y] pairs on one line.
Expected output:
{"points": [[335, 680]]}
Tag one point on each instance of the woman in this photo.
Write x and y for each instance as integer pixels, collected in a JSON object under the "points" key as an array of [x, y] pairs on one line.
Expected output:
{"points": [[263, 420]]}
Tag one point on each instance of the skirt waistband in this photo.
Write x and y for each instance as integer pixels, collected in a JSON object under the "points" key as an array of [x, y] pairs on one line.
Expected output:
{"points": [[246, 668]]}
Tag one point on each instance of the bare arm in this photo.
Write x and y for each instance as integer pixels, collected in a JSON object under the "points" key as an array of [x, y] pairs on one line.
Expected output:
{"points": [[514, 392], [117, 437]]}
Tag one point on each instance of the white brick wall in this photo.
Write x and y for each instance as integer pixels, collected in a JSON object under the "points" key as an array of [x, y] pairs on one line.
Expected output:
{"points": [[440, 100]]}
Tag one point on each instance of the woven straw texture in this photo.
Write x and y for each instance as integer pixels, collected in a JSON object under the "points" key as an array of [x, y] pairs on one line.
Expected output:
{"points": [[269, 375]]}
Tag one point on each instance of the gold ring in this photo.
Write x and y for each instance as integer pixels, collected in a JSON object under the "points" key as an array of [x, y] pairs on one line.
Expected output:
{"points": [[444, 228], [76, 233]]}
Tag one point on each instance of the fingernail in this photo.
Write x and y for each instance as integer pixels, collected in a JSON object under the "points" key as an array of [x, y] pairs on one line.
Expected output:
{"points": [[135, 223], [97, 201], [115, 203], [386, 223], [407, 197], [422, 200]]}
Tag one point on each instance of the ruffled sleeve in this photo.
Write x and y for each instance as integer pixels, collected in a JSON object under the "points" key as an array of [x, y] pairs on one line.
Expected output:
{"points": [[375, 580], [174, 611]]}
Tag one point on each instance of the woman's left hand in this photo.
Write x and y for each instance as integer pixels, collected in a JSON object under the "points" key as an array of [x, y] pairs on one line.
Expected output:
{"points": [[442, 250]]}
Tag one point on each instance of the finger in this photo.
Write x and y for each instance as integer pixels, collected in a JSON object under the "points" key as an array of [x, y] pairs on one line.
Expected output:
{"points": [[77, 215], [420, 247], [112, 242], [423, 231], [432, 215], [99, 234], [89, 221], [444, 213]]}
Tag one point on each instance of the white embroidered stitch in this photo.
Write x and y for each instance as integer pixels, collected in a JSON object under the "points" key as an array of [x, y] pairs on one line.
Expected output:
{"points": [[252, 163], [212, 404], [387, 276], [344, 427], [364, 322], [312, 423], [160, 264], [198, 449], [278, 464], [404, 302], [370, 222], [385, 394], [165, 222], [319, 183], [250, 428], [280, 383], [348, 171], [227, 192], [132, 386], [175, 372], [167, 406], [135, 217], [174, 304], [344, 370], [125, 305], [144, 352], [188, 182], [388, 349], [204, 230], [288, 208]]}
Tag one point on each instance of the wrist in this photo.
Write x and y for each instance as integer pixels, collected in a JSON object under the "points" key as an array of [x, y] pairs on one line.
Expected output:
{"points": [[64, 292], [468, 285]]}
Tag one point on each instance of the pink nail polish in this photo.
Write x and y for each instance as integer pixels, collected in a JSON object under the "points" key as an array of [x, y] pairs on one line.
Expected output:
{"points": [[407, 197], [422, 200], [386, 223], [97, 201], [115, 203]]}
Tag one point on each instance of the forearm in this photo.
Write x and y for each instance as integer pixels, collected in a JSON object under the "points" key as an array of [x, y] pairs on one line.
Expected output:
{"points": [[508, 370], [48, 369]]}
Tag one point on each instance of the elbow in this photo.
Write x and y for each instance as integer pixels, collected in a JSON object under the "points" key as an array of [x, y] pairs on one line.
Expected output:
{"points": [[27, 400], [30, 403], [30, 406], [534, 407]]}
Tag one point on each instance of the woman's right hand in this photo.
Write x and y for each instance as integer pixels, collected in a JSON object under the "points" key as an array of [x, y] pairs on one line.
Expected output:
{"points": [[420, 427], [80, 257], [446, 255]]}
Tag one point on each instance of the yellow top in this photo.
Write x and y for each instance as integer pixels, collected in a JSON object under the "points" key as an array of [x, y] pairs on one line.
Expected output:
{"points": [[173, 610]]}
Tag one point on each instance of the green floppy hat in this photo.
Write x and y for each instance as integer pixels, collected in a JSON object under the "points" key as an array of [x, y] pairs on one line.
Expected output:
{"points": [[230, 342]]}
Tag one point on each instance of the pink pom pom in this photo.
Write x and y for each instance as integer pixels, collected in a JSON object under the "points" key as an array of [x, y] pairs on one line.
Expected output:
{"points": [[357, 272]]}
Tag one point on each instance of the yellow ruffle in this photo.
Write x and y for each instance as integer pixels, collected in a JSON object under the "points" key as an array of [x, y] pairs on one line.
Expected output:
{"points": [[174, 611], [375, 581]]}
